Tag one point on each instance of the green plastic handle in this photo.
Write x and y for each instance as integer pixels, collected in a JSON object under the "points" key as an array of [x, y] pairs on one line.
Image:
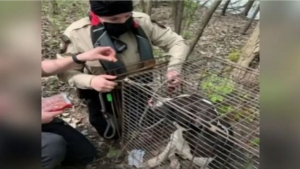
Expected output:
{"points": [[109, 97]]}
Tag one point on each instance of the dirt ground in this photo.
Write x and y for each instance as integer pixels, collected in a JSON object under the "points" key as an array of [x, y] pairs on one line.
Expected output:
{"points": [[221, 37]]}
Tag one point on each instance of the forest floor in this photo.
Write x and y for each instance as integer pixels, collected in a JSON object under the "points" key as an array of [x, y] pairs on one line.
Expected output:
{"points": [[221, 38]]}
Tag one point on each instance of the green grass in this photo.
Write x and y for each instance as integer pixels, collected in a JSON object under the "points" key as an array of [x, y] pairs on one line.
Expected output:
{"points": [[255, 142], [217, 87], [187, 35], [234, 55]]}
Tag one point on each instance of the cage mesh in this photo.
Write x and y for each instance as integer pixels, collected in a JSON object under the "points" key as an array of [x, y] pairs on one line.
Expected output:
{"points": [[233, 91]]}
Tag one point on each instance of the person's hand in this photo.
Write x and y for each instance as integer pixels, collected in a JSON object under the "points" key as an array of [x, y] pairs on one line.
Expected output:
{"points": [[173, 78], [103, 83], [98, 53], [47, 116]]}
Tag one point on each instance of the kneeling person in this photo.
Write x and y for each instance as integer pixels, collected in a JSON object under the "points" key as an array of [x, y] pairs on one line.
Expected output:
{"points": [[62, 144], [131, 35]]}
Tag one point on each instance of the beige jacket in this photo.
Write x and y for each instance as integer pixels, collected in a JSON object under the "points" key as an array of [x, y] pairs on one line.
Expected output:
{"points": [[80, 41]]}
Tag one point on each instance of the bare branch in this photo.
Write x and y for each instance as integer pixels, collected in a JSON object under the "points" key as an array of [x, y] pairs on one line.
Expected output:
{"points": [[204, 22], [249, 23], [248, 7], [225, 7]]}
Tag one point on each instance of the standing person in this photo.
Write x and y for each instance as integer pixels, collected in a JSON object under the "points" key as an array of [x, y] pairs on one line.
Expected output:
{"points": [[62, 144], [132, 35]]}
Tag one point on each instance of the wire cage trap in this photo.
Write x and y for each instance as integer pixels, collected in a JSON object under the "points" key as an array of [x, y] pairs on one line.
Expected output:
{"points": [[211, 121]]}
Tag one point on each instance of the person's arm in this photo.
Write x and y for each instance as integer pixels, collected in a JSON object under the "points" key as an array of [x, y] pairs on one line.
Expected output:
{"points": [[51, 67], [75, 76], [172, 43]]}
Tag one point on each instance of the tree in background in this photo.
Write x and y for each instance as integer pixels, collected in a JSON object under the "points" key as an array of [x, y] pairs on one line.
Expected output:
{"points": [[148, 7], [225, 7], [191, 7], [178, 16], [54, 7], [248, 7], [249, 53], [204, 22], [251, 20], [155, 3], [174, 9]]}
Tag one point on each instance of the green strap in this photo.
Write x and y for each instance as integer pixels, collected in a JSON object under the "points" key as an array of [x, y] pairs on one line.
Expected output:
{"points": [[109, 97]]}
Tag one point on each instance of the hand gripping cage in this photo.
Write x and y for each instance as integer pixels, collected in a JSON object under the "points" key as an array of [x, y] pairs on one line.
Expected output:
{"points": [[211, 121]]}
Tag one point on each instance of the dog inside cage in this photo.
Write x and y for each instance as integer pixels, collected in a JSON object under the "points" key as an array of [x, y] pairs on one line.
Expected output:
{"points": [[210, 122], [200, 127]]}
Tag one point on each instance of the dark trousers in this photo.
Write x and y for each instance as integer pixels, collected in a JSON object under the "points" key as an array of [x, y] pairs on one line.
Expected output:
{"points": [[53, 150], [19, 148], [62, 144]]}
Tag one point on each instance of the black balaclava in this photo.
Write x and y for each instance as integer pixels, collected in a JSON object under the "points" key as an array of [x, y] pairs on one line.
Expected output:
{"points": [[110, 8]]}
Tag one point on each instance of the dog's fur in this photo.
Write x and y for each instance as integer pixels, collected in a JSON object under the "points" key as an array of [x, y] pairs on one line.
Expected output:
{"points": [[200, 133]]}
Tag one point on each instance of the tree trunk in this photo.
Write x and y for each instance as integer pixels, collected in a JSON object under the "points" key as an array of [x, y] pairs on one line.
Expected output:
{"points": [[249, 52], [225, 7], [178, 16], [249, 23], [54, 7], [148, 7], [136, 3], [204, 22], [143, 5], [189, 13], [248, 7], [155, 3], [190, 17], [174, 9]]}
